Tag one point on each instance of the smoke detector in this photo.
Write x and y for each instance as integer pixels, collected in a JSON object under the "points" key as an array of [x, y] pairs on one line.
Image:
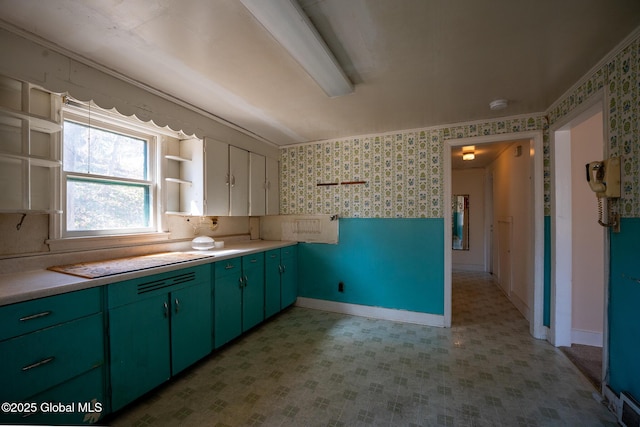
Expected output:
{"points": [[498, 104]]}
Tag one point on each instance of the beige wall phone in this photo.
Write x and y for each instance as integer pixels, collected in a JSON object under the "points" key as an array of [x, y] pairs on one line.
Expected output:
{"points": [[604, 179]]}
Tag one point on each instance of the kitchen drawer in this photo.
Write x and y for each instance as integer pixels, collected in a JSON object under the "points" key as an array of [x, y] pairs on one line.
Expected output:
{"points": [[37, 361], [145, 287], [85, 392], [253, 261], [289, 251], [272, 254], [24, 317], [229, 266]]}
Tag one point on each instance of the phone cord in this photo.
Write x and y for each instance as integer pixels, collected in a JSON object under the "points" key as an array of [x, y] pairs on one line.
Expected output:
{"points": [[609, 211]]}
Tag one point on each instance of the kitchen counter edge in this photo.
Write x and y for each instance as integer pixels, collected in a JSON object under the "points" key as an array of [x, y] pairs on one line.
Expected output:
{"points": [[35, 284]]}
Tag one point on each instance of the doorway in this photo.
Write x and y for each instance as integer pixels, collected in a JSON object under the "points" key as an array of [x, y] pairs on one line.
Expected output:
{"points": [[580, 272], [532, 151]]}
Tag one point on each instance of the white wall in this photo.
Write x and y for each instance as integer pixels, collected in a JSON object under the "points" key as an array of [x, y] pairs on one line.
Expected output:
{"points": [[471, 182], [587, 290], [513, 194]]}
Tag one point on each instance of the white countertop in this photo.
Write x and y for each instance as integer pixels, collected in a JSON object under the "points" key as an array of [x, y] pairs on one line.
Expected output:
{"points": [[29, 285]]}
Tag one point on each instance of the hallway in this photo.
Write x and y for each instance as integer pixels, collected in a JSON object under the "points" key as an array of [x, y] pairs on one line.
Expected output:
{"points": [[314, 368]]}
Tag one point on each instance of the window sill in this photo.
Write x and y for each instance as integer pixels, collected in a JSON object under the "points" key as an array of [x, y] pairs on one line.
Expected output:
{"points": [[104, 242]]}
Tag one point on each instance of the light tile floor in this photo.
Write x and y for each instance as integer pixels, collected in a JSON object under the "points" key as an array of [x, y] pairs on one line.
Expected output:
{"points": [[313, 368]]}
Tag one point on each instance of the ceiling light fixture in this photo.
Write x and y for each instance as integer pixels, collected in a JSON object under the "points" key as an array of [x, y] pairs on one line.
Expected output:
{"points": [[468, 152], [290, 26], [498, 104]]}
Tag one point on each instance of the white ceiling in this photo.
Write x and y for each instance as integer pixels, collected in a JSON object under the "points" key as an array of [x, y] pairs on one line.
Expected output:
{"points": [[414, 63]]}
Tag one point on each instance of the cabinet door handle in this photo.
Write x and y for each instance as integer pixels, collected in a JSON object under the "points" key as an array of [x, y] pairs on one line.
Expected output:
{"points": [[284, 268], [35, 316], [40, 363], [166, 309], [246, 281], [241, 282], [226, 179], [233, 180], [177, 305]]}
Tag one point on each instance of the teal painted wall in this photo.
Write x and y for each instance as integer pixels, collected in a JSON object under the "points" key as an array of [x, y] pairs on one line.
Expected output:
{"points": [[391, 263], [624, 309]]}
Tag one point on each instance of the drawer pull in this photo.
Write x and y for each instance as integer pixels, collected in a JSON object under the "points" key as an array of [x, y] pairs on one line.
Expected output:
{"points": [[229, 266], [254, 260], [35, 316], [40, 363]]}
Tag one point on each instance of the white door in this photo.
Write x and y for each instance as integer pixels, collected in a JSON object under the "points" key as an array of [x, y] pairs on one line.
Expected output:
{"points": [[504, 253]]}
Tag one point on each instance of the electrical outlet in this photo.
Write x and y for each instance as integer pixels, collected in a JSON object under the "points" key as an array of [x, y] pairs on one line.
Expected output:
{"points": [[340, 287]]}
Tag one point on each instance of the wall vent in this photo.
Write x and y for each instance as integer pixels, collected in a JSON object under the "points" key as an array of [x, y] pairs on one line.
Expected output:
{"points": [[154, 285], [629, 415]]}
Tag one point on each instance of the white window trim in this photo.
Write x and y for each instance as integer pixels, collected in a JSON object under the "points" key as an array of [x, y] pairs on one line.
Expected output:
{"points": [[62, 241]]}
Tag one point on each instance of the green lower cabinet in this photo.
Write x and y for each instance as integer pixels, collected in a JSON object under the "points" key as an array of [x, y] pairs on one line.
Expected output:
{"points": [[34, 362], [80, 400], [252, 290], [191, 326], [139, 347], [239, 296], [272, 271], [44, 367], [158, 326], [289, 276], [227, 301]]}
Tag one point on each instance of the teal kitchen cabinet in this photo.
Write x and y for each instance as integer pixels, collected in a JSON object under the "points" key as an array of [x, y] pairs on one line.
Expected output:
{"points": [[288, 276], [191, 325], [238, 296], [158, 325], [53, 350], [272, 273], [227, 300], [281, 279], [252, 290]]}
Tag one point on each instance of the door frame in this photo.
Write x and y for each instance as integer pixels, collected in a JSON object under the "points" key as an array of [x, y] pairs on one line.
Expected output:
{"points": [[561, 253], [536, 327]]}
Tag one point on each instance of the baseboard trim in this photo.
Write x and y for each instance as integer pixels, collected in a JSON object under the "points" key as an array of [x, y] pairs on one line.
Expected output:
{"points": [[522, 307], [406, 316], [467, 267], [579, 336]]}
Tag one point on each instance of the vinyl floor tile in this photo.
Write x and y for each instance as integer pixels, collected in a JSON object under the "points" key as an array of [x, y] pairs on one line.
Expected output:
{"points": [[314, 368]]}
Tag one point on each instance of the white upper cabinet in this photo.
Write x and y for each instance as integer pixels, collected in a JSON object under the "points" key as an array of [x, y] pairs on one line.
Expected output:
{"points": [[30, 154], [239, 181], [272, 187], [257, 185], [216, 177]]}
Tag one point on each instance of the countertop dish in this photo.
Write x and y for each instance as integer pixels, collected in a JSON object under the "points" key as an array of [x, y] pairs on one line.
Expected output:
{"points": [[29, 285]]}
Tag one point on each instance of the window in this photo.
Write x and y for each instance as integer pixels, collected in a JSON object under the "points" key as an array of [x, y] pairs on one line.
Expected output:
{"points": [[109, 183]]}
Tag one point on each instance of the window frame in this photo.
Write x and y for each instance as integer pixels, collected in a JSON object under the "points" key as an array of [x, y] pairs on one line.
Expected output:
{"points": [[113, 122]]}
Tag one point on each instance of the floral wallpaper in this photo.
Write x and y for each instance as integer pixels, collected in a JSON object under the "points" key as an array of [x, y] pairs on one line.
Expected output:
{"points": [[619, 78], [402, 171]]}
